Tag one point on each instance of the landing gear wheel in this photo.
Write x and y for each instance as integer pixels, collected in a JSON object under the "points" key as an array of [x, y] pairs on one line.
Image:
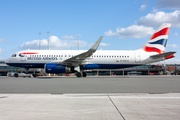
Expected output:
{"points": [[84, 74], [16, 75], [34, 75], [78, 74]]}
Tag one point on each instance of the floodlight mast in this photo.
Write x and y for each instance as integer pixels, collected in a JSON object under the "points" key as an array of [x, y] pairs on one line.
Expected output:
{"points": [[48, 39], [78, 41], [39, 41]]}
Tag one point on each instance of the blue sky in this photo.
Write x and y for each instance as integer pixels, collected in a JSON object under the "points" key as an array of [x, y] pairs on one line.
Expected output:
{"points": [[125, 25]]}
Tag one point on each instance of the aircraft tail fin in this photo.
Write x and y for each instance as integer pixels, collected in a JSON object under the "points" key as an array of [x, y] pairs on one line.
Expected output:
{"points": [[157, 42]]}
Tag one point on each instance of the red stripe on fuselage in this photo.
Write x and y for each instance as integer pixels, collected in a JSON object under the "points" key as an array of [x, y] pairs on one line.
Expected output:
{"points": [[28, 53], [152, 49], [164, 31]]}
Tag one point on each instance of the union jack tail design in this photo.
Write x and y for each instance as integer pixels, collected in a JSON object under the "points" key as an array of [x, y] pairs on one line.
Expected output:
{"points": [[157, 42]]}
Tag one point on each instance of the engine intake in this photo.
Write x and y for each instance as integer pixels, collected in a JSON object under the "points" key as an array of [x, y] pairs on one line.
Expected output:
{"points": [[56, 68]]}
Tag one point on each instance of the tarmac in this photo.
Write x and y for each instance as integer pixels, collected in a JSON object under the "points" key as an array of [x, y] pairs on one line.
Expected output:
{"points": [[66, 105]]}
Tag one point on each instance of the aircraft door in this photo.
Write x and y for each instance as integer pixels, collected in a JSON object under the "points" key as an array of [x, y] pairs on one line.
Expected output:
{"points": [[137, 57], [23, 58]]}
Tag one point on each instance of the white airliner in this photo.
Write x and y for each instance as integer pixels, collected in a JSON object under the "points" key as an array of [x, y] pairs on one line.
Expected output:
{"points": [[77, 61]]}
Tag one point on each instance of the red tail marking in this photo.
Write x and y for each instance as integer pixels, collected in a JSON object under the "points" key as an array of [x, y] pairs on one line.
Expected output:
{"points": [[171, 56], [152, 49], [164, 31]]}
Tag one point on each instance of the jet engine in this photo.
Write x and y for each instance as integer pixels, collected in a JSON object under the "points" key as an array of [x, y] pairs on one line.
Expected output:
{"points": [[56, 68]]}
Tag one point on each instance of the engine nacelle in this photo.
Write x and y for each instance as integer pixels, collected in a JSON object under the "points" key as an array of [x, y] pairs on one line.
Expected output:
{"points": [[56, 68]]}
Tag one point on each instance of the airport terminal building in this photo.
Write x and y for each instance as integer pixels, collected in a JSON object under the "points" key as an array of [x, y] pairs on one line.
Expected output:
{"points": [[150, 69]]}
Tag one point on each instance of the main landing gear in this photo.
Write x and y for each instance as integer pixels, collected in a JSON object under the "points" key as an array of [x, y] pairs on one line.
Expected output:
{"points": [[79, 74], [26, 71]]}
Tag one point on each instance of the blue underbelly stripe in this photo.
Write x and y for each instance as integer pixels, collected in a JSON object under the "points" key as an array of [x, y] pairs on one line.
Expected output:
{"points": [[88, 66]]}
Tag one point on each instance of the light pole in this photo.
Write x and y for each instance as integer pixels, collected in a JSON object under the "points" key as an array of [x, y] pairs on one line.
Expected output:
{"points": [[48, 40], [39, 41], [78, 41]]}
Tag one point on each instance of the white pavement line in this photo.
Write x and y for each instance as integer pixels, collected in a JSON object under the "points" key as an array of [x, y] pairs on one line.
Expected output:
{"points": [[121, 96], [116, 107], [131, 97]]}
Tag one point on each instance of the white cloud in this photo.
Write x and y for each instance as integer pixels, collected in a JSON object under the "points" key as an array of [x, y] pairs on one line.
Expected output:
{"points": [[104, 44], [176, 34], [173, 46], [2, 50], [134, 31], [56, 44], [167, 4], [68, 37], [156, 19], [143, 7], [2, 40]]}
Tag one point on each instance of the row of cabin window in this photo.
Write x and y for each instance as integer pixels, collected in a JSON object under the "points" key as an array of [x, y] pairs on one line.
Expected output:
{"points": [[50, 55], [72, 56], [111, 56]]}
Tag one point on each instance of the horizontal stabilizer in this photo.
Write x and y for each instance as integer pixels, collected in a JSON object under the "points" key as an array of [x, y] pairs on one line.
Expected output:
{"points": [[162, 55]]}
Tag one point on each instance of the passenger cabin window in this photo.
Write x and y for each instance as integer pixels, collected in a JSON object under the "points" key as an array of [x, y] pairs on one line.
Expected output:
{"points": [[14, 55]]}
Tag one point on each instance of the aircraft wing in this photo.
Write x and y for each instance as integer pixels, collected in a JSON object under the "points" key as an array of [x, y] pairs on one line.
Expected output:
{"points": [[79, 59], [162, 55]]}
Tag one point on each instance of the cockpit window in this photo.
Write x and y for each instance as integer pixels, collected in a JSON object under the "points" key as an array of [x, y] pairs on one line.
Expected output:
{"points": [[14, 55]]}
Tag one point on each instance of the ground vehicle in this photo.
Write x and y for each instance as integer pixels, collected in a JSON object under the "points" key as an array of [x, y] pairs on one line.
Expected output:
{"points": [[17, 74]]}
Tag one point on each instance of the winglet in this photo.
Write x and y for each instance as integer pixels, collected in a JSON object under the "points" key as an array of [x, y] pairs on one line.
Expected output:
{"points": [[95, 46]]}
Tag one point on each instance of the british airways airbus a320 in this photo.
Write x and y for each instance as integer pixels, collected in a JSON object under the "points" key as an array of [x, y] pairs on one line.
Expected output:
{"points": [[77, 61]]}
